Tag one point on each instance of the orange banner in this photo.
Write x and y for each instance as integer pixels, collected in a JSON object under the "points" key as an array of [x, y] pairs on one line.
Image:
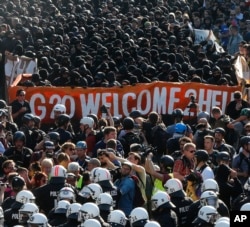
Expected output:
{"points": [[161, 97]]}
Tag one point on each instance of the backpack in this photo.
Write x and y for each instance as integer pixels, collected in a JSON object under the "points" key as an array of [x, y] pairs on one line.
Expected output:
{"points": [[159, 138], [138, 198], [128, 139]]}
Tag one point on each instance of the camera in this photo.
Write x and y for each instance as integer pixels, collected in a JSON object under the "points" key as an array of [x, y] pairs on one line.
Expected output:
{"points": [[148, 149], [193, 102], [103, 109]]}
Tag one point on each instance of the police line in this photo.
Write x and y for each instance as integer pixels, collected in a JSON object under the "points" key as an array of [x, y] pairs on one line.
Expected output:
{"points": [[162, 97]]}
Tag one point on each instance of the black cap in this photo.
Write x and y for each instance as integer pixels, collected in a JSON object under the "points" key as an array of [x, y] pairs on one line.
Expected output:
{"points": [[220, 130], [17, 182]]}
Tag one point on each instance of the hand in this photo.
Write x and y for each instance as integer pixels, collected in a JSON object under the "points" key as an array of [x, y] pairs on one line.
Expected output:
{"points": [[23, 109], [233, 174]]}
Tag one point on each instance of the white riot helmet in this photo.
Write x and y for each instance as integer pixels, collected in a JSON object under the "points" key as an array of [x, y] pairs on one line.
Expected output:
{"points": [[26, 211], [58, 171], [247, 185], [87, 121], [39, 220], [138, 215], [92, 190], [91, 223], [206, 214], [209, 198], [210, 185], [222, 222], [105, 201], [25, 196], [99, 174], [66, 193], [1, 212], [62, 207], [152, 224], [161, 198], [60, 108], [73, 210], [88, 211], [117, 218], [174, 186], [245, 207]]}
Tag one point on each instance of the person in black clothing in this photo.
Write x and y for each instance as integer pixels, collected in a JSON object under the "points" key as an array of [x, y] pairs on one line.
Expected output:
{"points": [[27, 126], [234, 107], [179, 199], [63, 121], [46, 195], [230, 186], [11, 216], [57, 216], [20, 107], [130, 137], [17, 185], [162, 210], [20, 154]]}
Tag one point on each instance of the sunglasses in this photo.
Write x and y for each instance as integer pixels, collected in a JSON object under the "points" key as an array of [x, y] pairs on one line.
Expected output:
{"points": [[192, 151], [71, 149]]}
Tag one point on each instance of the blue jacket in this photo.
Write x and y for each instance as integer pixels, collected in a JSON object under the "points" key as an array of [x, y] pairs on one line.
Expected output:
{"points": [[126, 187]]}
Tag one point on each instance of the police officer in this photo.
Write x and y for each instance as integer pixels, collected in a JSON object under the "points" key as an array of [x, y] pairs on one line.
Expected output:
{"points": [[20, 154], [162, 210], [103, 178], [11, 216], [243, 198], [179, 198], [58, 215], [46, 196]]}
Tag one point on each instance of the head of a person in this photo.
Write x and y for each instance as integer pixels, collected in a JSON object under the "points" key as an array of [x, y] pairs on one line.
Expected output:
{"points": [[216, 112], [134, 158], [219, 134], [183, 140], [33, 168], [63, 159], [189, 150], [19, 140], [8, 166], [46, 166], [208, 142], [81, 149], [68, 148], [39, 179], [237, 96], [93, 163], [126, 168], [110, 132], [20, 94]]}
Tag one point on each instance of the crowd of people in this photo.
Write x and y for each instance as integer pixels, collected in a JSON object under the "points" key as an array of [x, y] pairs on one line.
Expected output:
{"points": [[112, 43], [139, 170]]}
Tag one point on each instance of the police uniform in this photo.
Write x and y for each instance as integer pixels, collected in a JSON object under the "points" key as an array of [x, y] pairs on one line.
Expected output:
{"points": [[195, 207], [21, 158], [11, 216], [108, 187], [182, 204], [165, 216], [46, 196]]}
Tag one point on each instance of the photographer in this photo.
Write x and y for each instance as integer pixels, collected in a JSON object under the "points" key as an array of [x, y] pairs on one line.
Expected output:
{"points": [[46, 152], [137, 168]]}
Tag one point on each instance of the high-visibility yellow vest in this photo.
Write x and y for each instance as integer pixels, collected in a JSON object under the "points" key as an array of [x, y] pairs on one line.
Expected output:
{"points": [[158, 185], [79, 183]]}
